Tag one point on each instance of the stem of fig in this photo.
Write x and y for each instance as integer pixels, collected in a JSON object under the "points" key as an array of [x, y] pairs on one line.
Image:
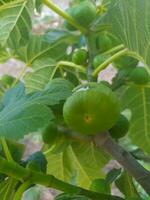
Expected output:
{"points": [[63, 14], [20, 75], [114, 49], [108, 61], [68, 64]]}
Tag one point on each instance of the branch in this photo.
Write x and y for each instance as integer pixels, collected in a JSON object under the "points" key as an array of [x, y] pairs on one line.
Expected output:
{"points": [[135, 169], [16, 171]]}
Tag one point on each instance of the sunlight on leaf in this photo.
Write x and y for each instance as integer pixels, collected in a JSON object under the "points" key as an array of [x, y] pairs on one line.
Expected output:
{"points": [[72, 164], [129, 20], [137, 99], [15, 22]]}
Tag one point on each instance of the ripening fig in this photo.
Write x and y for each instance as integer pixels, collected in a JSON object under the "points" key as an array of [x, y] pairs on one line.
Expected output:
{"points": [[92, 110]]}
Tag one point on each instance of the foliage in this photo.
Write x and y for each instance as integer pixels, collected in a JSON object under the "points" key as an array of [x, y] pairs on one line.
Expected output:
{"points": [[56, 95]]}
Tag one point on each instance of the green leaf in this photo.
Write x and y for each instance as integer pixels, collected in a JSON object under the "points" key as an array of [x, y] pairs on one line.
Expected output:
{"points": [[64, 196], [41, 54], [57, 90], [15, 22], [38, 5], [121, 77], [129, 22], [4, 55], [136, 99], [52, 94], [126, 186], [27, 113], [37, 162], [40, 76], [54, 35], [16, 149], [7, 189], [100, 185], [13, 94], [51, 45], [112, 175], [2, 2], [21, 117], [78, 164]]}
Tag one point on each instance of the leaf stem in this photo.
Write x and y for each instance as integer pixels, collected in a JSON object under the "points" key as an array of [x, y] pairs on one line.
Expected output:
{"points": [[6, 149], [20, 75], [114, 49], [63, 14], [24, 186], [108, 61], [18, 172], [68, 64]]}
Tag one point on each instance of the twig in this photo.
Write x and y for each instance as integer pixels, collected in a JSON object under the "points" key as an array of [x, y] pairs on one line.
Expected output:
{"points": [[16, 171]]}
